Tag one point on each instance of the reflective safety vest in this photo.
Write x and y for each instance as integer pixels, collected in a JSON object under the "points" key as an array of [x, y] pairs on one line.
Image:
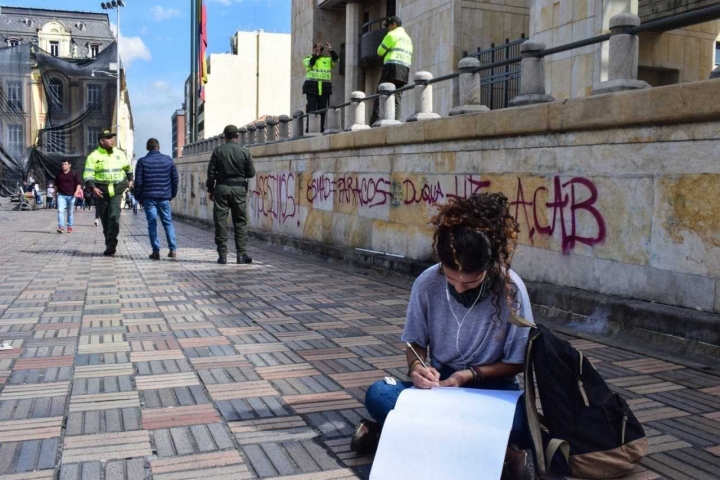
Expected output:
{"points": [[321, 71], [396, 48], [105, 168]]}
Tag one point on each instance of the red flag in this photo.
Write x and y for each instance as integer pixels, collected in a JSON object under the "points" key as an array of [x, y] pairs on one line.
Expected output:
{"points": [[202, 61]]}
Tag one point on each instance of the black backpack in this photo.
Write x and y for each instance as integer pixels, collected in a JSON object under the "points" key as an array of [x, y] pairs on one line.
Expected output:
{"points": [[592, 427]]}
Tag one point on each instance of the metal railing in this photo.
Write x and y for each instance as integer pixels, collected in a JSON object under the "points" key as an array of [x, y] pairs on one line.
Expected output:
{"points": [[474, 75]]}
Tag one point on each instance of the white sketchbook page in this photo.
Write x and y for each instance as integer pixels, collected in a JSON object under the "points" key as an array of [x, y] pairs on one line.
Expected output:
{"points": [[444, 443], [487, 407]]}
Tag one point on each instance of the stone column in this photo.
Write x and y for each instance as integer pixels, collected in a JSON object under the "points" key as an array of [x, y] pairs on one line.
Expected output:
{"points": [[423, 98], [469, 87], [353, 72], [272, 132], [298, 127], [387, 106], [251, 134], [260, 132], [532, 76], [358, 112], [284, 128], [623, 59], [332, 120], [242, 135]]}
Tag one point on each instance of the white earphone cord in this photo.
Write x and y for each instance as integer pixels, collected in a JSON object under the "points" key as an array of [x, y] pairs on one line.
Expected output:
{"points": [[460, 322]]}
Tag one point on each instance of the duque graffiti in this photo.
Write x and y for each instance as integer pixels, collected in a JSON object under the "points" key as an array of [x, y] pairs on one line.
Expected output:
{"points": [[555, 210]]}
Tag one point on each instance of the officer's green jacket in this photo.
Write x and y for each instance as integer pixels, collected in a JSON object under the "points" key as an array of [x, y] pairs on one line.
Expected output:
{"points": [[229, 161], [105, 169], [396, 51], [318, 73]]}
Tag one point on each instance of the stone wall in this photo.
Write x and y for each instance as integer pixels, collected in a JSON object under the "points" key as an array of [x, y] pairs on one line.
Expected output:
{"points": [[655, 9], [614, 194]]}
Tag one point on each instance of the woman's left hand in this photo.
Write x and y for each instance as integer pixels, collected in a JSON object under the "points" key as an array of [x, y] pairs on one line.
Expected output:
{"points": [[457, 379]]}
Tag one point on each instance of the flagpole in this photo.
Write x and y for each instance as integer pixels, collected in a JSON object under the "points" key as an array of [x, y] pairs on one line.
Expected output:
{"points": [[192, 108], [196, 94]]}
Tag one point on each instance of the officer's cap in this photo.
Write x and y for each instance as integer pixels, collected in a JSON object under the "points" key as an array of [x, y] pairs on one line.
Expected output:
{"points": [[106, 134], [231, 131], [393, 19]]}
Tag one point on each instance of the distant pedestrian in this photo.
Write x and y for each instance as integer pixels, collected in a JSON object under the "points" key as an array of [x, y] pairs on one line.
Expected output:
{"points": [[50, 196], [396, 51], [318, 80], [109, 173], [67, 184], [230, 168], [89, 197], [79, 199], [156, 183]]}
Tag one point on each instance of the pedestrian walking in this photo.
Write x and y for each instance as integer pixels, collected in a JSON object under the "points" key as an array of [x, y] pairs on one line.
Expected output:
{"points": [[67, 184], [230, 167], [109, 173], [318, 80], [79, 199], [156, 184], [89, 198], [50, 196], [396, 51]]}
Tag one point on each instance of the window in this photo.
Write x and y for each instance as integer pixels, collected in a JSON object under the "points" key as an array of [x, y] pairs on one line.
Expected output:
{"points": [[93, 96], [16, 140], [55, 49], [55, 103], [14, 95], [92, 138], [94, 50], [717, 53], [14, 42]]}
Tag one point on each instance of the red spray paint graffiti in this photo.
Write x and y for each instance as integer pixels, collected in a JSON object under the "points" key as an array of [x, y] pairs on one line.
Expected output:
{"points": [[274, 196]]}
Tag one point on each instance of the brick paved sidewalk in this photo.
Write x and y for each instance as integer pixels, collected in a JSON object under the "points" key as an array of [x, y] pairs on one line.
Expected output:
{"points": [[182, 369]]}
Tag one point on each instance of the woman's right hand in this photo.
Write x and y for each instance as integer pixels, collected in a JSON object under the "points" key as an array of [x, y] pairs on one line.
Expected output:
{"points": [[425, 377]]}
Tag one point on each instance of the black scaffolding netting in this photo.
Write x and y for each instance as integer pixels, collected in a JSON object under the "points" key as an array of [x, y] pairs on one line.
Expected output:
{"points": [[67, 103]]}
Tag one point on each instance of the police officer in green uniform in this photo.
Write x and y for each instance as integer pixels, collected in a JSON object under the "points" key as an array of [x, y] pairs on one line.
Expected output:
{"points": [[318, 80], [396, 51], [228, 172], [108, 174]]}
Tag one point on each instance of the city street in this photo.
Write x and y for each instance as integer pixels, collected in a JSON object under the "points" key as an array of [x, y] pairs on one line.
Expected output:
{"points": [[128, 368]]}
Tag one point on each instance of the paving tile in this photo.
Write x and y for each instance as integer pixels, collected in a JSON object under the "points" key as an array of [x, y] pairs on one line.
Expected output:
{"points": [[102, 421], [166, 381], [230, 391], [32, 429], [104, 401], [222, 465], [106, 446], [194, 439], [20, 392], [95, 371], [39, 475], [157, 355], [320, 402], [279, 429], [178, 417]]}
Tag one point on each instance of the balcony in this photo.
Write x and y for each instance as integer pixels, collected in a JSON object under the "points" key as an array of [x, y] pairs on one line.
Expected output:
{"points": [[370, 40]]}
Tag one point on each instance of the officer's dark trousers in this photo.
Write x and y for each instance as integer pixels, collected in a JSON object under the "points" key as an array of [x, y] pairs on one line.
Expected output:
{"points": [[376, 103], [230, 199], [315, 103], [109, 210]]}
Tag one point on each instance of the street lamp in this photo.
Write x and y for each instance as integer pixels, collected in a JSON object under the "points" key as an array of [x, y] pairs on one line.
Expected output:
{"points": [[116, 4]]}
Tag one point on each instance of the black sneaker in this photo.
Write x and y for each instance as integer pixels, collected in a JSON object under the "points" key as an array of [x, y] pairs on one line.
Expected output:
{"points": [[109, 252], [154, 256], [222, 259], [366, 438], [244, 258]]}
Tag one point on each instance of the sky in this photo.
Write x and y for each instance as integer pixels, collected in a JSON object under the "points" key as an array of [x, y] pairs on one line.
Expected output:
{"points": [[155, 49]]}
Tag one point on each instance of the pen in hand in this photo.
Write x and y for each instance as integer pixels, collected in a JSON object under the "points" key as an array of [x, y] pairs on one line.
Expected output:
{"points": [[421, 361]]}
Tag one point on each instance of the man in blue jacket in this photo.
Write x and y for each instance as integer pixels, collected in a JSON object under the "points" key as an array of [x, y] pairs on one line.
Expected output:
{"points": [[156, 183]]}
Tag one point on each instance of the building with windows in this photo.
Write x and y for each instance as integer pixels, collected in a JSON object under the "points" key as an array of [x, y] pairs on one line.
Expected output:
{"points": [[251, 81], [178, 132], [52, 99]]}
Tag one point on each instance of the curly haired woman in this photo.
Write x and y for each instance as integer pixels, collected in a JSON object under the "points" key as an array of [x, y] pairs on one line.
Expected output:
{"points": [[459, 311]]}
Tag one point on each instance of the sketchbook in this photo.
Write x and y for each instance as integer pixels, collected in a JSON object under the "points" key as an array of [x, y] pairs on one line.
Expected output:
{"points": [[446, 434]]}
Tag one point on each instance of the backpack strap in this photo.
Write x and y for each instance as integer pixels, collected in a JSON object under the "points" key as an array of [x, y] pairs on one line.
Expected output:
{"points": [[553, 446], [532, 415]]}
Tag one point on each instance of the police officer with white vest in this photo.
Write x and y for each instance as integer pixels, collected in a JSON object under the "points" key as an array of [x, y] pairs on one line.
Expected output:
{"points": [[318, 80], [396, 51]]}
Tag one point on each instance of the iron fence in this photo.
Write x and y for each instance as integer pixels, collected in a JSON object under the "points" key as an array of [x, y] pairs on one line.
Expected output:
{"points": [[499, 85]]}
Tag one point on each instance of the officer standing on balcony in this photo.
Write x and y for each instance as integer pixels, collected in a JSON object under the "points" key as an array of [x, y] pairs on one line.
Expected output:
{"points": [[318, 80], [108, 174], [396, 51], [229, 170]]}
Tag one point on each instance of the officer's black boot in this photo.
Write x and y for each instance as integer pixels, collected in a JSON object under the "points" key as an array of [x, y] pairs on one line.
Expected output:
{"points": [[109, 251], [244, 258], [222, 259]]}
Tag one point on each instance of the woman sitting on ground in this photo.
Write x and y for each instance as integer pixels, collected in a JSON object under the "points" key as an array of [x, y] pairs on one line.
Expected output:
{"points": [[459, 311]]}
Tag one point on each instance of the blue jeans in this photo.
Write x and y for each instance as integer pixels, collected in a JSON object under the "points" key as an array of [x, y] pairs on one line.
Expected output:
{"points": [[381, 398], [65, 202], [153, 208]]}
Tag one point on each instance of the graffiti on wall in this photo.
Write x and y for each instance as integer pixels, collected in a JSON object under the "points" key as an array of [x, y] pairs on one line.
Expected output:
{"points": [[564, 209]]}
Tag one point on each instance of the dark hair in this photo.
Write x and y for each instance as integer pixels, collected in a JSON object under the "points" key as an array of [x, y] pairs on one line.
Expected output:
{"points": [[478, 234], [152, 144], [66, 161]]}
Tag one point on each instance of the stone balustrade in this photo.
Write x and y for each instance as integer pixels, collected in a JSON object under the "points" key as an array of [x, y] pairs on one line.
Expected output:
{"points": [[622, 75]]}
